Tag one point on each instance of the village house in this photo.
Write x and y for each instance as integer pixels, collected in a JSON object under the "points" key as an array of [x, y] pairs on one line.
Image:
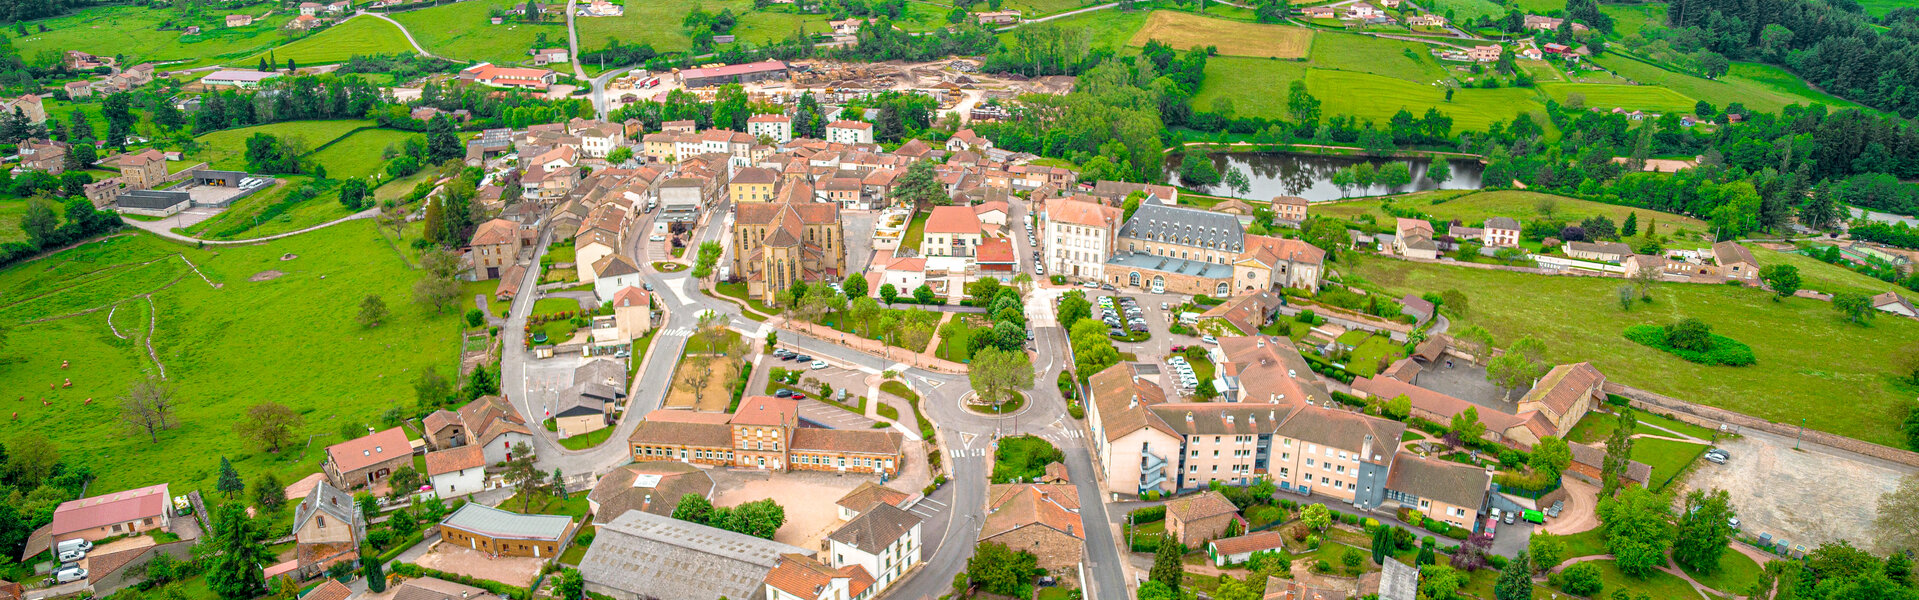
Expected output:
{"points": [[1414, 238], [1894, 303], [998, 17], [1601, 251], [495, 246], [29, 105], [849, 132], [367, 461], [1500, 232], [1196, 519], [328, 527], [146, 169], [765, 434], [456, 472], [1078, 236], [1289, 210], [951, 231], [1238, 550], [1735, 261], [239, 20], [1042, 519], [1444, 490], [108, 515], [547, 56], [778, 128], [1484, 53]]}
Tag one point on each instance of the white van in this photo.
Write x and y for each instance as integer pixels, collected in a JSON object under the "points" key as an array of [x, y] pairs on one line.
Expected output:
{"points": [[66, 546]]}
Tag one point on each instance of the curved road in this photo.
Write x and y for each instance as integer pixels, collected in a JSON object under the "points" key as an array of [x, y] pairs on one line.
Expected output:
{"points": [[403, 31], [161, 229]]}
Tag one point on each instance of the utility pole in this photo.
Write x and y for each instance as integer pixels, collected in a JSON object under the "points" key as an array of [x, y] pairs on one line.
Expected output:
{"points": [[1802, 434]]}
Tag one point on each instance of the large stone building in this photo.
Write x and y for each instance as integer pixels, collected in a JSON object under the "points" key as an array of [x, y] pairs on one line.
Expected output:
{"points": [[495, 246], [793, 239], [1078, 237], [1042, 519], [1184, 250], [765, 434]]}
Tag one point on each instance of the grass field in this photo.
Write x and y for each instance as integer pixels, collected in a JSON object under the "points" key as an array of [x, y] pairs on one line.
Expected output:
{"points": [[1378, 56], [1375, 97], [1112, 29], [242, 217], [656, 23], [1759, 87], [1817, 275], [460, 30], [1660, 584], [1182, 30], [11, 210], [1666, 457], [1522, 205], [1628, 19], [1469, 9], [1248, 100], [1736, 573], [134, 31], [1648, 98], [760, 27], [1879, 8], [219, 347], [226, 149], [1040, 8], [1800, 344], [357, 155], [355, 37]]}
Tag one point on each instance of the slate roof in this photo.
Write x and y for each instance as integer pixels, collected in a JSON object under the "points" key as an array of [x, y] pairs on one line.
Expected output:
{"points": [[1185, 226], [330, 501], [876, 528], [495, 523], [669, 559], [1443, 480]]}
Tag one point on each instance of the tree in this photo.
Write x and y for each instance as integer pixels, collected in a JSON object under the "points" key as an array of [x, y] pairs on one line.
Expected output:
{"points": [[268, 494], [888, 293], [1128, 207], [1394, 175], [371, 570], [147, 407], [1783, 279], [1897, 523], [1523, 363], [919, 186], [760, 518], [442, 143], [693, 508], [1475, 340], [1855, 307], [1704, 531], [437, 288], [1382, 544], [353, 194], [1581, 579], [1440, 582], [1167, 569], [1516, 581], [372, 311], [527, 480], [1631, 226], [1546, 550], [1300, 104], [924, 295], [1466, 425], [572, 586], [1237, 181], [229, 482], [1552, 455], [234, 554], [431, 389], [1618, 453], [1316, 517], [1689, 334], [404, 481], [998, 374], [854, 287], [1426, 556], [39, 222], [270, 424], [1454, 301], [997, 569], [1638, 529], [1197, 170], [620, 155], [1440, 172]]}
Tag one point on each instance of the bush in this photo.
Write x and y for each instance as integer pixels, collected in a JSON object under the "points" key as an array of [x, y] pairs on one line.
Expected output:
{"points": [[1721, 351], [1149, 514], [1580, 579], [1075, 410]]}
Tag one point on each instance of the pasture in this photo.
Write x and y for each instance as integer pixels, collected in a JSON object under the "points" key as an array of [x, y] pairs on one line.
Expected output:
{"points": [[1801, 344], [1106, 29], [358, 36], [135, 32], [760, 27], [1522, 205], [226, 149], [460, 30], [1628, 19], [1463, 10], [1375, 97], [656, 23], [1181, 31], [1817, 275], [1268, 100], [358, 155], [238, 337], [1649, 98], [1378, 56], [1759, 87]]}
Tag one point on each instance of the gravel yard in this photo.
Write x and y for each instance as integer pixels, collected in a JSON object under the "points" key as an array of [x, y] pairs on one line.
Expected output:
{"points": [[1808, 496]]}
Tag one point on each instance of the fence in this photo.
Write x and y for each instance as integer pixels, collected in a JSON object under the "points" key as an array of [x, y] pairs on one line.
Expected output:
{"points": [[1708, 416]]}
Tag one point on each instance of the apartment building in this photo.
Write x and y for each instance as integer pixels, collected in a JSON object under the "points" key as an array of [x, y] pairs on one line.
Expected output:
{"points": [[1079, 237]]}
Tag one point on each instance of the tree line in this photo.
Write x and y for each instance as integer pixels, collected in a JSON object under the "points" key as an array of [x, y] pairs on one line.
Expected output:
{"points": [[1833, 45]]}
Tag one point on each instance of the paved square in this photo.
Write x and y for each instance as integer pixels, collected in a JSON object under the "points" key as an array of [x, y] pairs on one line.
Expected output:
{"points": [[445, 556]]}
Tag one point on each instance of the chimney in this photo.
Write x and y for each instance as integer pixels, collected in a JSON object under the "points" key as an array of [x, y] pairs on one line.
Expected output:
{"points": [[1366, 447], [1189, 416], [1133, 402], [1229, 419], [1292, 373], [1259, 342]]}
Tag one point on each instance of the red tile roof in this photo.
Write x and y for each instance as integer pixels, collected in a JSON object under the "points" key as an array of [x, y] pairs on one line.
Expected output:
{"points": [[454, 459], [356, 454], [107, 509], [953, 219]]}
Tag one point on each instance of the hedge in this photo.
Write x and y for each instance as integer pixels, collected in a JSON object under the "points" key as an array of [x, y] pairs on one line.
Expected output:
{"points": [[407, 542], [1149, 514], [1725, 351], [504, 590]]}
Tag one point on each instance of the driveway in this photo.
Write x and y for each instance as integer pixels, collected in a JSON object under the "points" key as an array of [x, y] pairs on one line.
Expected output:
{"points": [[859, 226], [1807, 497]]}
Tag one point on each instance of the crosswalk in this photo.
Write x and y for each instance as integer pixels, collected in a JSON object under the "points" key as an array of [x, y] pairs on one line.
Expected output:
{"points": [[926, 508], [1057, 436], [969, 452], [679, 332]]}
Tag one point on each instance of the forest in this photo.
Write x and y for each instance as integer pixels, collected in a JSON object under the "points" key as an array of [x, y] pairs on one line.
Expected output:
{"points": [[1831, 45]]}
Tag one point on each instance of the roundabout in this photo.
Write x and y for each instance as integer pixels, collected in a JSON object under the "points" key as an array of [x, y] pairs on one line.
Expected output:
{"points": [[1011, 408]]}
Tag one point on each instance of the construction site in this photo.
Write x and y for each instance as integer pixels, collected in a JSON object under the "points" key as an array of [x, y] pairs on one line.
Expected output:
{"points": [[956, 83]]}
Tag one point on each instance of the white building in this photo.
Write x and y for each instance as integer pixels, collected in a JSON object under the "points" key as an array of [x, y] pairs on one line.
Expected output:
{"points": [[612, 274], [601, 138], [865, 557], [456, 472], [849, 132], [1078, 237], [778, 128]]}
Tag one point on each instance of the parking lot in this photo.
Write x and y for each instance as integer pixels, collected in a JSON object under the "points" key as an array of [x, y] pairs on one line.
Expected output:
{"points": [[1808, 497]]}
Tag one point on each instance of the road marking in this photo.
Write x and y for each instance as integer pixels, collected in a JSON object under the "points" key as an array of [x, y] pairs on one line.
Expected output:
{"points": [[677, 332]]}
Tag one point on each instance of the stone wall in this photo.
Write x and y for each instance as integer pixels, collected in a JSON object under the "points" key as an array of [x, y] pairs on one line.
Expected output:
{"points": [[1719, 418]]}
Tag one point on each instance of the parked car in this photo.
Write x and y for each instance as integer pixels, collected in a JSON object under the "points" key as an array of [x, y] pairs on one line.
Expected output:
{"points": [[819, 364], [656, 238], [1715, 459], [783, 393], [1733, 523], [1509, 517], [1208, 338], [72, 556], [74, 544], [782, 352], [646, 286], [805, 358], [69, 575], [1106, 286], [799, 396]]}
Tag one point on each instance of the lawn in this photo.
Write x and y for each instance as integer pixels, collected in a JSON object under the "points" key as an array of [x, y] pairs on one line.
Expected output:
{"points": [[1111, 29], [1759, 87], [738, 290], [1040, 8], [957, 347], [1371, 353], [1233, 38], [1737, 572], [1660, 584], [357, 155], [716, 392], [1650, 98], [1666, 457], [226, 149], [656, 23], [915, 231], [1022, 458], [218, 346], [1801, 344], [1818, 275], [1596, 427], [358, 36], [1522, 205], [135, 32], [588, 439], [573, 505], [11, 210], [1377, 97], [1379, 56], [460, 30]]}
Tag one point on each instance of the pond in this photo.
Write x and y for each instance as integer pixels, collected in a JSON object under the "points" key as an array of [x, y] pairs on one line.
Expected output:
{"points": [[1310, 176]]}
